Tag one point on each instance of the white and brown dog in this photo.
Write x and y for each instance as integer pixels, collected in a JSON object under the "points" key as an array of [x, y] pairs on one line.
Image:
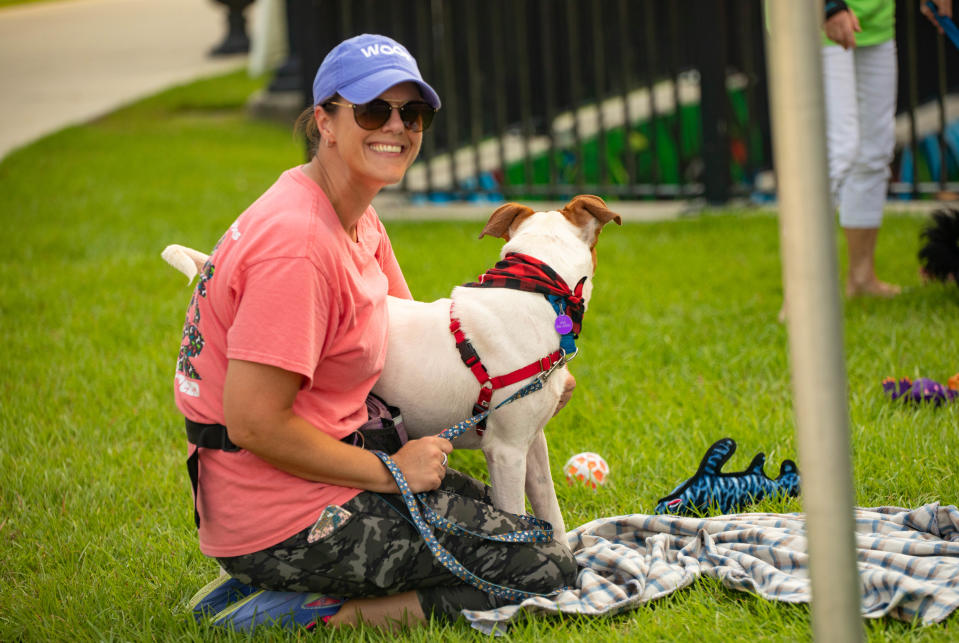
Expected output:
{"points": [[508, 332]]}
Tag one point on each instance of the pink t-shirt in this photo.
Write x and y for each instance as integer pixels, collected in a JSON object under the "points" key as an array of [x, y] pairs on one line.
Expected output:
{"points": [[287, 287]]}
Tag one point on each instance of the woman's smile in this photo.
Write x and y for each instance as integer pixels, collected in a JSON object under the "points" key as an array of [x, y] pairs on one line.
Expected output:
{"points": [[386, 148]]}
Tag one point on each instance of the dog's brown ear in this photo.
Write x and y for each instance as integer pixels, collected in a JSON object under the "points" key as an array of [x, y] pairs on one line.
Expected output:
{"points": [[504, 218], [587, 205]]}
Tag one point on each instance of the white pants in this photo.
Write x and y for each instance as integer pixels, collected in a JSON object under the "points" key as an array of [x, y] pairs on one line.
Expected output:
{"points": [[860, 90]]}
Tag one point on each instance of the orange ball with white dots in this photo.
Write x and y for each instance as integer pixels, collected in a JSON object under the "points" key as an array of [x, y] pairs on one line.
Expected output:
{"points": [[586, 468]]}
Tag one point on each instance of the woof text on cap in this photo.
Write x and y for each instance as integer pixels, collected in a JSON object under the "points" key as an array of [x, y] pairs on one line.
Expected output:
{"points": [[361, 68]]}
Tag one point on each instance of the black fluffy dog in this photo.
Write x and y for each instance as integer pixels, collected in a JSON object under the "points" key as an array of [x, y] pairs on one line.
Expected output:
{"points": [[939, 254]]}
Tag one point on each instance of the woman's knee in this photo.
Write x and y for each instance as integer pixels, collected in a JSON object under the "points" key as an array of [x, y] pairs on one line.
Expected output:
{"points": [[842, 159], [565, 563], [873, 163], [463, 485], [549, 567]]}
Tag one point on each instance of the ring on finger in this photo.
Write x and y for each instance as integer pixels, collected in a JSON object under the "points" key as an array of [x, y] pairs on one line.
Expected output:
{"points": [[445, 460]]}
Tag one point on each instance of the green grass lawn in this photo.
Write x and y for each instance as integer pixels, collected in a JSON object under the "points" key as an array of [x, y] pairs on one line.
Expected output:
{"points": [[680, 347]]}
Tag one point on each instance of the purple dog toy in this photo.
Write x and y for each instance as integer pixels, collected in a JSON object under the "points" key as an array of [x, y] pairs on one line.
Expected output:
{"points": [[922, 390]]}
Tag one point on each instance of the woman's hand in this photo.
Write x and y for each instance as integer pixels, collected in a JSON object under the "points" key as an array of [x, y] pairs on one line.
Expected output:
{"points": [[423, 462], [567, 393], [944, 7], [842, 27]]}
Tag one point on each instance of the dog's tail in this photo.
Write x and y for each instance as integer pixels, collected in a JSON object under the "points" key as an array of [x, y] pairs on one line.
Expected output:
{"points": [[186, 260], [939, 254]]}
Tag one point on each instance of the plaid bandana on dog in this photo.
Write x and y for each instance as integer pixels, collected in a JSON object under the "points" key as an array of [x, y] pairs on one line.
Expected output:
{"points": [[522, 272]]}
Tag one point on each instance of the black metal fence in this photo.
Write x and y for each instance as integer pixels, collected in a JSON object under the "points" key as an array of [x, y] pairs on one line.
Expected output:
{"points": [[927, 156], [638, 99]]}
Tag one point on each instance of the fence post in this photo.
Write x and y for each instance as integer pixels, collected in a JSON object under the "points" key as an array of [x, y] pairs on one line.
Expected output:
{"points": [[710, 34], [811, 279]]}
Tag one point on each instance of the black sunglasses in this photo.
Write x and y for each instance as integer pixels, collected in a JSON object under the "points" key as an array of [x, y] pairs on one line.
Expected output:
{"points": [[416, 115]]}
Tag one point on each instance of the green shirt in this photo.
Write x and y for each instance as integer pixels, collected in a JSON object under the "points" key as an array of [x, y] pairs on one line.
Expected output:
{"points": [[877, 19]]}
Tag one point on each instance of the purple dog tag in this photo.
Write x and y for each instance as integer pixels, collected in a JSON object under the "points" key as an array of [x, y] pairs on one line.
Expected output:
{"points": [[563, 324]]}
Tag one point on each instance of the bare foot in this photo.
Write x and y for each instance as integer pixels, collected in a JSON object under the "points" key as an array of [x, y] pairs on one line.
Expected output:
{"points": [[874, 288]]}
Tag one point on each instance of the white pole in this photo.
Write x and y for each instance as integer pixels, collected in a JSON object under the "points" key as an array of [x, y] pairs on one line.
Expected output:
{"points": [[814, 320]]}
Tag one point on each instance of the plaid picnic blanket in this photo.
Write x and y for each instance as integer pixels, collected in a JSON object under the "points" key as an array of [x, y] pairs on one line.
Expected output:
{"points": [[908, 562]]}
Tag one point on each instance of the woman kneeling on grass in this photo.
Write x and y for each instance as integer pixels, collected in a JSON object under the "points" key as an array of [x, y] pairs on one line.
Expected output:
{"points": [[284, 338]]}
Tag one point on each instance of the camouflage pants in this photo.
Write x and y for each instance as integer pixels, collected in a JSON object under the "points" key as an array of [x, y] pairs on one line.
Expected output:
{"points": [[376, 551]]}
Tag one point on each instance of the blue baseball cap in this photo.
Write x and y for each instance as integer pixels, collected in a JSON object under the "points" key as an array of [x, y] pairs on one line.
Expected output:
{"points": [[362, 67]]}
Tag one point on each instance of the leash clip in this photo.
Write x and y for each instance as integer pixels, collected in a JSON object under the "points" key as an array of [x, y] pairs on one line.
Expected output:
{"points": [[543, 376]]}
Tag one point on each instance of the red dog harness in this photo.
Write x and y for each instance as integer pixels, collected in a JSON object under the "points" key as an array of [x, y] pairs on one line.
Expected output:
{"points": [[489, 384], [520, 272]]}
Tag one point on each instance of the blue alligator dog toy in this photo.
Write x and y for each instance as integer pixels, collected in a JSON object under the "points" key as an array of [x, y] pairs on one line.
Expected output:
{"points": [[729, 492]]}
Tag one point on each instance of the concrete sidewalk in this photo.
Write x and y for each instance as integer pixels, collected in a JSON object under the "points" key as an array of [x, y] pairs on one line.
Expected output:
{"points": [[66, 62]]}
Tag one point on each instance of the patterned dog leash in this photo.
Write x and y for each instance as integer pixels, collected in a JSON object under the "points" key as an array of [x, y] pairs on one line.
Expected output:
{"points": [[425, 518]]}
